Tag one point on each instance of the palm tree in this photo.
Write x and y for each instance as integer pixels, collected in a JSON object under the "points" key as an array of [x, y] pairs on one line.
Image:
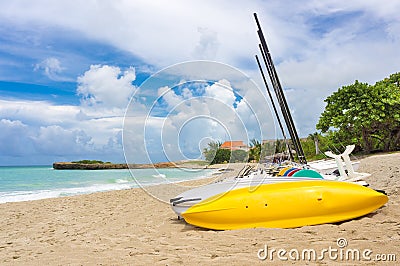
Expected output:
{"points": [[314, 137], [255, 150], [211, 150]]}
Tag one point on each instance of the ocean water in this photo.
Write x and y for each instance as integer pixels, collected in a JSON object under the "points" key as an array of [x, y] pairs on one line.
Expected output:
{"points": [[23, 183]]}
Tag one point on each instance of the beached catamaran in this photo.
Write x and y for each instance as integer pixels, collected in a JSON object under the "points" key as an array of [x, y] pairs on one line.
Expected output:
{"points": [[297, 194]]}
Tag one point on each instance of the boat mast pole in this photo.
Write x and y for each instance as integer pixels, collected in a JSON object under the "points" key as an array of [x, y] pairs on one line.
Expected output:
{"points": [[279, 98], [275, 110], [280, 95]]}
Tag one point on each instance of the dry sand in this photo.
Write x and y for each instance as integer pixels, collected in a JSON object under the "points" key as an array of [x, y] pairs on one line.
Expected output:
{"points": [[130, 227]]}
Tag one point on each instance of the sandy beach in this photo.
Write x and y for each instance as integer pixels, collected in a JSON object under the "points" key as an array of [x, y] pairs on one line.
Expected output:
{"points": [[130, 227]]}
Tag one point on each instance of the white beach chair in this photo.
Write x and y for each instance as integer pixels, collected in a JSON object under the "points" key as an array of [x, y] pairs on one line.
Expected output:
{"points": [[351, 175]]}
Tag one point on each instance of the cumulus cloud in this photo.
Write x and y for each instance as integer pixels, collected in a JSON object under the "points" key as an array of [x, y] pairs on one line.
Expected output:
{"points": [[106, 86], [15, 138], [23, 143], [221, 91], [49, 131], [59, 141], [170, 97], [55, 133]]}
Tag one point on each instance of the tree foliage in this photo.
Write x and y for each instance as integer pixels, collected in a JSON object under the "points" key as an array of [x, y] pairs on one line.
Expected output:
{"points": [[222, 156], [365, 115], [255, 150], [90, 162], [239, 156], [214, 154], [211, 151]]}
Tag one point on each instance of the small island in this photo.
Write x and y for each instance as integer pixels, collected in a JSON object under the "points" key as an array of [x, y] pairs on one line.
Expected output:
{"points": [[100, 165]]}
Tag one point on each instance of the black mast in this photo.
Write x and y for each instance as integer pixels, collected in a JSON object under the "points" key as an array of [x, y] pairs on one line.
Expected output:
{"points": [[280, 95], [274, 107]]}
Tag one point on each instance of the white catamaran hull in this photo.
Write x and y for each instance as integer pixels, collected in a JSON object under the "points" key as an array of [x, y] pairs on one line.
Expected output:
{"points": [[191, 197]]}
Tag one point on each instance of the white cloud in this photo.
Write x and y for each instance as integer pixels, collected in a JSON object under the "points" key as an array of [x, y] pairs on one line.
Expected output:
{"points": [[315, 51], [222, 91], [59, 141], [169, 96], [49, 131], [106, 86], [15, 138], [208, 44], [192, 117], [58, 132], [155, 31], [163, 33], [38, 113], [51, 67]]}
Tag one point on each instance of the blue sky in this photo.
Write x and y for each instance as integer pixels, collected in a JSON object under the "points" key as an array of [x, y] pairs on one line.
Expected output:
{"points": [[69, 68]]}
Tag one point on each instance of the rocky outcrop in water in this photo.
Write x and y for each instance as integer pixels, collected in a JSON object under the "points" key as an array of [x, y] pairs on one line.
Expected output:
{"points": [[106, 166]]}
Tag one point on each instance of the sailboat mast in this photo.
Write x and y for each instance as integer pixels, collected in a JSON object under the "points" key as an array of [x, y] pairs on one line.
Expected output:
{"points": [[275, 110], [279, 97], [279, 94]]}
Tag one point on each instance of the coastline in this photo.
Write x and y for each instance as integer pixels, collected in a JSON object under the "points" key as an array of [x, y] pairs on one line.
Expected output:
{"points": [[106, 166], [34, 183], [132, 227]]}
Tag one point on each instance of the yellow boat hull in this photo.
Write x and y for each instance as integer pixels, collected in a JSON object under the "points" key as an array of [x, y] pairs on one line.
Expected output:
{"points": [[285, 205]]}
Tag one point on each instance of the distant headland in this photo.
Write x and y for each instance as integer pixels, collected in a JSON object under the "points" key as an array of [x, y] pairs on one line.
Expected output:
{"points": [[100, 165]]}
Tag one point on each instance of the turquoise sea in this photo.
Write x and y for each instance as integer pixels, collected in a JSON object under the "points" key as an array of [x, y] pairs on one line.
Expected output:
{"points": [[24, 183]]}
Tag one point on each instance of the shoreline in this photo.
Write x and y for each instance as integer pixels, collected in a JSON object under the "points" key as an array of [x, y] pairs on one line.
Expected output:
{"points": [[132, 227], [128, 183], [107, 166]]}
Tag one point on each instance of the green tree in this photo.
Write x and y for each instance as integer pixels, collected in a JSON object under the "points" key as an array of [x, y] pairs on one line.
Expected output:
{"points": [[222, 156], [315, 137], [214, 154], [211, 151], [255, 150], [239, 156], [267, 149], [385, 128], [280, 146], [365, 115]]}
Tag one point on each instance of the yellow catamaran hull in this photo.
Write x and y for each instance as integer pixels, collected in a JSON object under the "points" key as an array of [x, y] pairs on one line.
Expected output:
{"points": [[285, 205]]}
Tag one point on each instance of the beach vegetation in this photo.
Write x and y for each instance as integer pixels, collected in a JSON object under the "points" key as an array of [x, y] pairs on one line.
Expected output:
{"points": [[239, 156], [214, 154], [90, 162], [316, 144], [221, 156], [365, 115], [255, 150], [211, 150]]}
